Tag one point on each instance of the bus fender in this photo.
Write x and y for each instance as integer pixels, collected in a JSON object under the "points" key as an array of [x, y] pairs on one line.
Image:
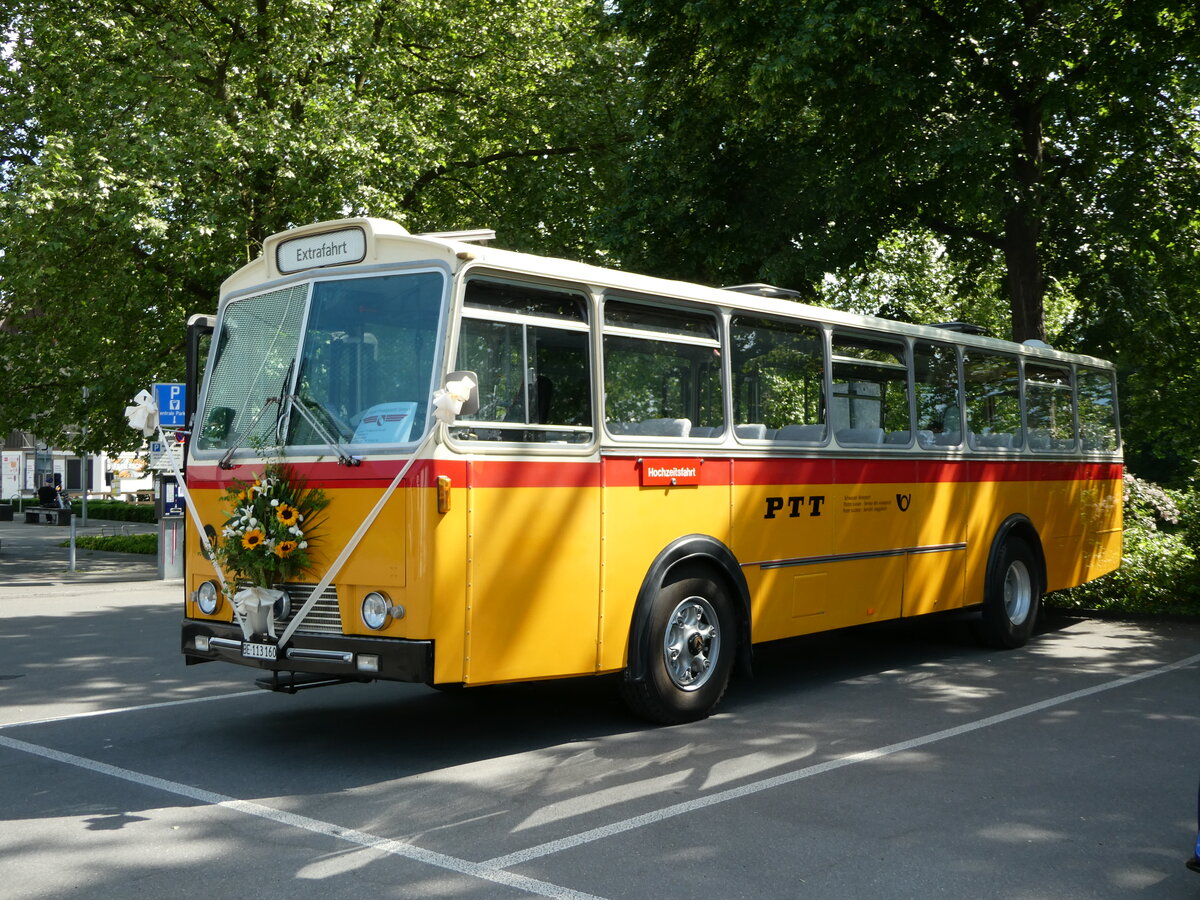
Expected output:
{"points": [[686, 555], [1021, 526]]}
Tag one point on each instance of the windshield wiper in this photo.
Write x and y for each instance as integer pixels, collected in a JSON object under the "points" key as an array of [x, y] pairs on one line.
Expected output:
{"points": [[226, 461], [281, 415], [301, 406]]}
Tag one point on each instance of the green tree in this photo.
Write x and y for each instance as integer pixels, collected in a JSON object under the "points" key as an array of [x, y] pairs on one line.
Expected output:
{"points": [[911, 276], [147, 147], [784, 141]]}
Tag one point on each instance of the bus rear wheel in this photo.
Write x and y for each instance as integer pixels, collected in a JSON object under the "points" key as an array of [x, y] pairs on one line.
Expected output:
{"points": [[688, 653], [1012, 596]]}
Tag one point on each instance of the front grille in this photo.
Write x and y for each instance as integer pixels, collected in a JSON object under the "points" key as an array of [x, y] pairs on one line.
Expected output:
{"points": [[324, 618]]}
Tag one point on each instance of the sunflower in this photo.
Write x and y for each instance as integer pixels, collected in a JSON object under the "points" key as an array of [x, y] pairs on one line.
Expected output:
{"points": [[287, 515], [253, 538], [285, 549]]}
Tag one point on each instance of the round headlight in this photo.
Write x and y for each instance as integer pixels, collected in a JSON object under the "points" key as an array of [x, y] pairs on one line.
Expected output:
{"points": [[283, 606], [208, 598], [375, 608]]}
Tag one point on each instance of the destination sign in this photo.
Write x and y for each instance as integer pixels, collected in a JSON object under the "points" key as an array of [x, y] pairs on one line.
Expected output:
{"points": [[330, 248]]}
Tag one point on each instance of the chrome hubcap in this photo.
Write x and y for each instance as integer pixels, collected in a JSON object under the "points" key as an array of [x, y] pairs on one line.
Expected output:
{"points": [[1018, 592], [692, 643]]}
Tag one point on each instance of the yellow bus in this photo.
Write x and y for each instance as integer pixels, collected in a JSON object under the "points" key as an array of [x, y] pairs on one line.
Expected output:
{"points": [[646, 477]]}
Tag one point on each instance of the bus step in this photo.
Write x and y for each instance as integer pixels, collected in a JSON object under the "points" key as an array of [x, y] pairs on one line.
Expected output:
{"points": [[291, 682]]}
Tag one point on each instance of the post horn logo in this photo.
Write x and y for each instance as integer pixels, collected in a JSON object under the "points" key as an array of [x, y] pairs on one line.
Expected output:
{"points": [[902, 501]]}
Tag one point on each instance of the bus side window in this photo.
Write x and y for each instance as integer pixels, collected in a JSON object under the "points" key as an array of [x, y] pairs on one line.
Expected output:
{"points": [[992, 391], [662, 372], [870, 392], [939, 417], [1049, 407], [778, 380], [1097, 410], [529, 349]]}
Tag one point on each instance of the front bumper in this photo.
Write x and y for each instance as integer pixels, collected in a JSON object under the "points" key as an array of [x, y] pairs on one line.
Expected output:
{"points": [[336, 656]]}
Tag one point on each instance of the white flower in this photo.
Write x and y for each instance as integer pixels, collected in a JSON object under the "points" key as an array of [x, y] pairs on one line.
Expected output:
{"points": [[274, 502], [303, 545]]}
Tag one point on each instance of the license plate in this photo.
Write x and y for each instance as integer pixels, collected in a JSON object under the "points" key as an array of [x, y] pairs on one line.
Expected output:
{"points": [[252, 650]]}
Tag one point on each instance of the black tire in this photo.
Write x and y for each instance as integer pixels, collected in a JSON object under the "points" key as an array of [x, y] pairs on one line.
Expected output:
{"points": [[1012, 596], [687, 654]]}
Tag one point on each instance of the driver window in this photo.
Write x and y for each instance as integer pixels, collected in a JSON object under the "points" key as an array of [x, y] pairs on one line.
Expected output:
{"points": [[528, 346]]}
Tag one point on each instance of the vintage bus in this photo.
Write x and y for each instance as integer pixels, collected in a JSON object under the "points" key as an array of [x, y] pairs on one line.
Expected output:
{"points": [[647, 477]]}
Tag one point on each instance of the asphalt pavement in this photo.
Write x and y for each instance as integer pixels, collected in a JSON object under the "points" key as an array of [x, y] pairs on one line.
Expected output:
{"points": [[899, 760], [32, 555]]}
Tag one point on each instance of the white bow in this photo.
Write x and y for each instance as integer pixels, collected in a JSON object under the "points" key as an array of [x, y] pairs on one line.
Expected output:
{"points": [[257, 607], [448, 402], [143, 415]]}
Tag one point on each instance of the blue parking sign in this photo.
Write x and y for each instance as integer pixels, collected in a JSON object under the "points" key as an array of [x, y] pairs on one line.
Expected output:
{"points": [[171, 411]]}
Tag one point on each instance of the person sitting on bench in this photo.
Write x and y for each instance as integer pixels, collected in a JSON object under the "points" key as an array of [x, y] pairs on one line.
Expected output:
{"points": [[47, 496]]}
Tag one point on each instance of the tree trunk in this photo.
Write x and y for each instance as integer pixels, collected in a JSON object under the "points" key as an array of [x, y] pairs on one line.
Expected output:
{"points": [[1023, 276], [1022, 225]]}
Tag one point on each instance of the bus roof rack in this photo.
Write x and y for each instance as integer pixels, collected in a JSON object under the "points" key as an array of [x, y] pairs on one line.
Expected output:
{"points": [[471, 235], [759, 289], [964, 328]]}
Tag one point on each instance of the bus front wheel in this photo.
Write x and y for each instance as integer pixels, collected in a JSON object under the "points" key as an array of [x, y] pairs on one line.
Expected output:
{"points": [[689, 650], [1011, 596]]}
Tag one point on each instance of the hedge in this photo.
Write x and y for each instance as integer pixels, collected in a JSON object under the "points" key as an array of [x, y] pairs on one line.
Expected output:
{"points": [[114, 510], [118, 543]]}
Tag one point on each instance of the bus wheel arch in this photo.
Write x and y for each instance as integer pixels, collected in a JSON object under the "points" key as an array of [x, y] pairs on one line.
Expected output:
{"points": [[1014, 583], [693, 602]]}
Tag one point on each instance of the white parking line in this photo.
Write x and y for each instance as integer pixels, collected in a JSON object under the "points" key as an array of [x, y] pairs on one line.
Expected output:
{"points": [[92, 713], [680, 809], [494, 870], [316, 826]]}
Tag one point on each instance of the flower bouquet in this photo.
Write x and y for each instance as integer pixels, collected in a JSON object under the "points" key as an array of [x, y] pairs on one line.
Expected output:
{"points": [[265, 540]]}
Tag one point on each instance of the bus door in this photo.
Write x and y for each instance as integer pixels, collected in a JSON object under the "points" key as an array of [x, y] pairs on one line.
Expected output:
{"points": [[782, 518], [875, 481], [872, 510], [942, 493], [533, 517]]}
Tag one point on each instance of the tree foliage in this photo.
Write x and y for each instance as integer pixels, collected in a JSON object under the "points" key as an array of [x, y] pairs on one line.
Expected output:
{"points": [[784, 141], [149, 146]]}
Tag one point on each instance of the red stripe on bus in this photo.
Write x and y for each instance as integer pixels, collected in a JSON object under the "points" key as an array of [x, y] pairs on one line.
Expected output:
{"points": [[369, 474], [621, 471]]}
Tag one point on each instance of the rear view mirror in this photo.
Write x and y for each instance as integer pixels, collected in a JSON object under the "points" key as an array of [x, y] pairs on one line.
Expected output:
{"points": [[470, 405]]}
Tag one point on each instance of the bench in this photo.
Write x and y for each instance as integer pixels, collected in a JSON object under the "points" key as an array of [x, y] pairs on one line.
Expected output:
{"points": [[47, 515]]}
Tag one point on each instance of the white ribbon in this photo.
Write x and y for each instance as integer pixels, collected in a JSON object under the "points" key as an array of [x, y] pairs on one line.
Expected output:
{"points": [[355, 538], [143, 415], [256, 610], [448, 402]]}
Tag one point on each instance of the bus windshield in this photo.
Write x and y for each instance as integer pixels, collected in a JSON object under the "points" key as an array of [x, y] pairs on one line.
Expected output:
{"points": [[361, 362]]}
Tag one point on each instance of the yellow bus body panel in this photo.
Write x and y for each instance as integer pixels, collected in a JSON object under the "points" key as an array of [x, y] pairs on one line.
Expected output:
{"points": [[532, 583], [525, 582]]}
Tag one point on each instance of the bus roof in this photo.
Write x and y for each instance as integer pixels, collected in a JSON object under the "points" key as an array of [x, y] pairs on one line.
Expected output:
{"points": [[319, 249]]}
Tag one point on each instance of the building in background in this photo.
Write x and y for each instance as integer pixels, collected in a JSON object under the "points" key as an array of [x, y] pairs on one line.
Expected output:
{"points": [[26, 463]]}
